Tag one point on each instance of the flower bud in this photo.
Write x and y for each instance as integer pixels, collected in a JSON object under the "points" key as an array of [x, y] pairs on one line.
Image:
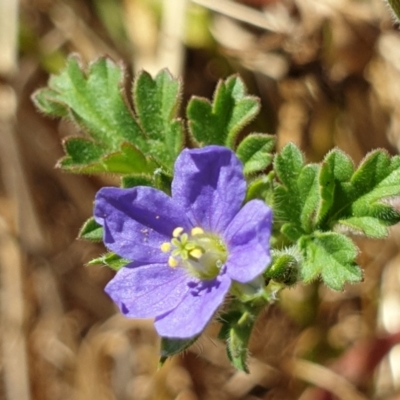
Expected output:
{"points": [[284, 268]]}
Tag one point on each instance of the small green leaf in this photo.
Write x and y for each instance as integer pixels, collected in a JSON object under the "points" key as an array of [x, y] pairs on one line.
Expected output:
{"points": [[332, 256], [236, 331], [116, 141], [127, 161], [385, 177], [91, 230], [111, 260], [45, 101], [80, 152], [372, 171], [220, 122], [170, 347], [359, 200], [297, 198], [385, 213], [288, 164], [156, 104], [336, 169], [84, 156], [369, 226], [261, 188], [255, 152], [307, 184], [93, 100], [340, 164]]}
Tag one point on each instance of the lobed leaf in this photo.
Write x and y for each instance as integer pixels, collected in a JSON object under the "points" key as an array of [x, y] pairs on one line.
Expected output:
{"points": [[80, 152], [357, 199], [261, 188], [332, 256], [312, 200], [288, 164], [255, 152], [369, 226], [116, 141], [220, 122], [94, 101], [156, 104], [46, 100], [336, 169], [309, 195], [297, 197]]}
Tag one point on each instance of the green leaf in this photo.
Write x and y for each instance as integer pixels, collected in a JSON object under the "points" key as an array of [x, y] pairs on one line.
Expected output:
{"points": [[129, 159], [288, 164], [80, 152], [220, 122], [296, 199], [369, 226], [307, 183], [292, 232], [329, 255], [236, 331], [116, 141], [255, 152], [377, 178], [91, 230], [359, 200], [45, 101], [261, 188], [83, 156], [336, 169], [170, 347], [93, 100], [372, 170], [111, 260], [156, 104]]}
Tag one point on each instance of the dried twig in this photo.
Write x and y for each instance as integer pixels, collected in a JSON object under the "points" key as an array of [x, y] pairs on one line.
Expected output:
{"points": [[12, 319], [8, 36], [244, 14]]}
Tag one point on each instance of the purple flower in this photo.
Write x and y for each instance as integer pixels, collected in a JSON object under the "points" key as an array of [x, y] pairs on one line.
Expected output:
{"points": [[186, 249]]}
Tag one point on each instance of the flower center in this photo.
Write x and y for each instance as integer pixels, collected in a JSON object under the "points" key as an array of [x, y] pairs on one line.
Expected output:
{"points": [[202, 254]]}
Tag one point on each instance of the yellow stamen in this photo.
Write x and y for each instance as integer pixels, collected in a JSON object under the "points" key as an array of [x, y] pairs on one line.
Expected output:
{"points": [[177, 231], [197, 231], [166, 247], [172, 262], [196, 253]]}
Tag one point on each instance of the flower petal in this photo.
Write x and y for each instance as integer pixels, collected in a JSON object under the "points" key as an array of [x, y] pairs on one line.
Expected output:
{"points": [[196, 309], [247, 239], [137, 221], [148, 290], [209, 184]]}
